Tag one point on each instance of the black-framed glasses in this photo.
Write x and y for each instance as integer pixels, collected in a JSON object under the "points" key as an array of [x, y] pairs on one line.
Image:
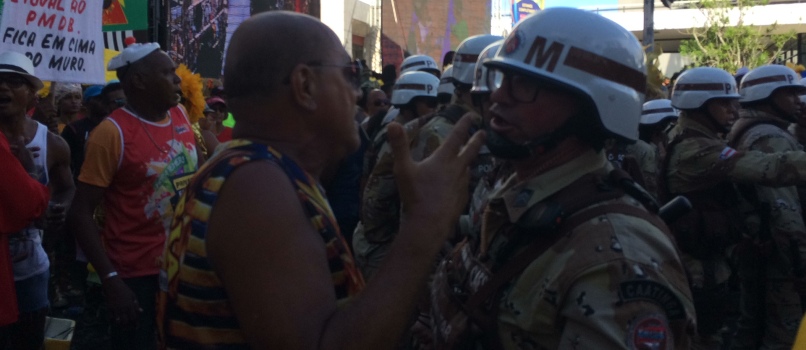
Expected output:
{"points": [[522, 89], [14, 81], [351, 72]]}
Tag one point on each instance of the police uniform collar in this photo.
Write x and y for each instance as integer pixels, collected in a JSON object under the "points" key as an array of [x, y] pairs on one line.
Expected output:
{"points": [[519, 196]]}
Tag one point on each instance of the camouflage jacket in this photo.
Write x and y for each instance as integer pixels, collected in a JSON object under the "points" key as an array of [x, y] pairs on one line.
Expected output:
{"points": [[648, 159], [787, 227], [614, 282], [699, 163]]}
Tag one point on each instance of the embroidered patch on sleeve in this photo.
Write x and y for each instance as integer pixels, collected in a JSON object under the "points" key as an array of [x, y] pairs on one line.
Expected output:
{"points": [[646, 290], [649, 332], [727, 153]]}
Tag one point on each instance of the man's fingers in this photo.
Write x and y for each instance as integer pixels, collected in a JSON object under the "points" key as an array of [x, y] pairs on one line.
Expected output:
{"points": [[458, 136], [399, 143], [472, 147]]}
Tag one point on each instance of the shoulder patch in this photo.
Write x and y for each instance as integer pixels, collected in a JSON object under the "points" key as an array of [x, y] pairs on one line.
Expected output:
{"points": [[727, 153], [649, 332], [645, 290]]}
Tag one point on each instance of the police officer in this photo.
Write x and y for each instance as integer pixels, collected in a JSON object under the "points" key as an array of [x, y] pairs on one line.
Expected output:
{"points": [[770, 102], [415, 95], [708, 101], [488, 171], [415, 63], [445, 91], [566, 259], [434, 132], [650, 148]]}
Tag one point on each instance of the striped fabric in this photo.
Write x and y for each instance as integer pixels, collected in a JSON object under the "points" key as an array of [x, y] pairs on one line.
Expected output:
{"points": [[195, 312], [115, 40]]}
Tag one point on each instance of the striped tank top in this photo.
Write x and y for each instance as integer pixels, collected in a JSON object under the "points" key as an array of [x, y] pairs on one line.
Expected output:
{"points": [[194, 311]]}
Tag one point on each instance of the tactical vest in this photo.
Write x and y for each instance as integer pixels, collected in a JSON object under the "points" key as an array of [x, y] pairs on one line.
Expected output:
{"points": [[465, 293], [715, 221]]}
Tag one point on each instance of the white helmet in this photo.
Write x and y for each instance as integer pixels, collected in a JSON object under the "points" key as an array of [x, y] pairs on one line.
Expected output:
{"points": [[446, 82], [419, 63], [656, 111], [761, 82], [696, 86], [480, 78], [803, 97], [414, 84], [586, 53], [467, 54]]}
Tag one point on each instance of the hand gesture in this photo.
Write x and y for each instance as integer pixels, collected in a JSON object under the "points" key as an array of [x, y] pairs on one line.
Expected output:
{"points": [[436, 187]]}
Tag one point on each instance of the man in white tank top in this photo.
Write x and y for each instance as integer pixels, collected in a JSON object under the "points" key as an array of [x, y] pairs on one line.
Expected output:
{"points": [[52, 162]]}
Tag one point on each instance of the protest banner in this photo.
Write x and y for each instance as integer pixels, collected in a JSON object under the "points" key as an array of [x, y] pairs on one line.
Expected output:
{"points": [[62, 37]]}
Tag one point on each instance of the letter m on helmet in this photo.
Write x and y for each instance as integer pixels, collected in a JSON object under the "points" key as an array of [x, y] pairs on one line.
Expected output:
{"points": [[540, 56]]}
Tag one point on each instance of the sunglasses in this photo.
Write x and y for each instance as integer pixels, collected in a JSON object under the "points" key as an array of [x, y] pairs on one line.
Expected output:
{"points": [[379, 103], [351, 72], [120, 102], [13, 81]]}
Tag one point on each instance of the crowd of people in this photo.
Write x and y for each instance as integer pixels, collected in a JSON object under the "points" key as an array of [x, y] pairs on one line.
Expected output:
{"points": [[525, 197]]}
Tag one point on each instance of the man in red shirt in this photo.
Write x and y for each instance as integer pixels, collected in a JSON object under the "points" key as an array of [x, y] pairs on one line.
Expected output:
{"points": [[138, 161], [22, 197]]}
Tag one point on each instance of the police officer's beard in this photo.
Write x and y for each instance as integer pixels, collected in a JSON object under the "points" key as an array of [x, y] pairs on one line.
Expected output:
{"points": [[504, 148]]}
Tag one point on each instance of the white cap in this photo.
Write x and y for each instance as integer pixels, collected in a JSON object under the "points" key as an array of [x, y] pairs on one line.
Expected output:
{"points": [[131, 54], [15, 62]]}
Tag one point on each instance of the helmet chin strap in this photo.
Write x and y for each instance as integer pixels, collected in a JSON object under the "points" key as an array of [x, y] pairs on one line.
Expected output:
{"points": [[504, 148]]}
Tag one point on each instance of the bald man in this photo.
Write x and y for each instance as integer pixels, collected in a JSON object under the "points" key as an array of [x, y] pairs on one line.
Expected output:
{"points": [[255, 258]]}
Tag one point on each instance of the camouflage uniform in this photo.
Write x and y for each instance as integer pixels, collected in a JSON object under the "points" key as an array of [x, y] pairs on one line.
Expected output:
{"points": [[470, 223], [696, 164], [591, 289], [648, 158], [782, 308]]}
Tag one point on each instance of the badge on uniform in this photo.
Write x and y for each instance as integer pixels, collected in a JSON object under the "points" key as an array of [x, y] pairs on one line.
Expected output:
{"points": [[649, 332], [727, 153]]}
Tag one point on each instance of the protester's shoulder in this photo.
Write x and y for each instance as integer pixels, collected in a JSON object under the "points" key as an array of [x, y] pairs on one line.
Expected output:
{"points": [[106, 130], [56, 142]]}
